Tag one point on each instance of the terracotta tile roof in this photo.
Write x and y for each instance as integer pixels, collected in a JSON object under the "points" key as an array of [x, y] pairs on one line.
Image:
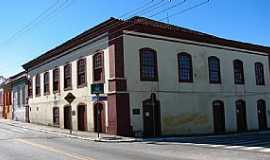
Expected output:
{"points": [[145, 25]]}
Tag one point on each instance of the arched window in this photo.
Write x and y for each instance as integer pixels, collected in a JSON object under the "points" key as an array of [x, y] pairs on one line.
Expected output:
{"points": [[37, 85], [67, 77], [148, 65], [185, 67], [46, 83], [259, 73], [238, 72], [214, 70], [98, 67], [81, 72]]}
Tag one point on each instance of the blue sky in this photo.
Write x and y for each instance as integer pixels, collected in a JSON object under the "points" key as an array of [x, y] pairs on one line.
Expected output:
{"points": [[247, 21]]}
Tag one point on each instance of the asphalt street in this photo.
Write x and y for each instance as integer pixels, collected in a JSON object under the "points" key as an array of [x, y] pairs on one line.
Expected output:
{"points": [[23, 144]]}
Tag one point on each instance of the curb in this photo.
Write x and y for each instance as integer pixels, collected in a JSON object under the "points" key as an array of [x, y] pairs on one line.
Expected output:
{"points": [[104, 140]]}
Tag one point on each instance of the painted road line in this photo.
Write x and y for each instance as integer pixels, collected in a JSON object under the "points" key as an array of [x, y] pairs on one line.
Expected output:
{"points": [[73, 156]]}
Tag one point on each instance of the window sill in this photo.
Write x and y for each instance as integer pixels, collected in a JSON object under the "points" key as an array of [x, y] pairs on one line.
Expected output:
{"points": [[182, 81], [47, 94], [82, 85], [55, 92], [101, 81], [68, 89]]}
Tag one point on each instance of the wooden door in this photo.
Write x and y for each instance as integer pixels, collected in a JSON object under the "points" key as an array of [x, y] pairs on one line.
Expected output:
{"points": [[99, 118], [67, 117], [261, 112], [82, 120], [219, 117], [151, 119], [241, 116]]}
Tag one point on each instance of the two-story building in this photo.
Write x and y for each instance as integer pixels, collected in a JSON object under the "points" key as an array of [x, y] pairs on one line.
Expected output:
{"points": [[159, 79], [7, 99], [19, 97]]}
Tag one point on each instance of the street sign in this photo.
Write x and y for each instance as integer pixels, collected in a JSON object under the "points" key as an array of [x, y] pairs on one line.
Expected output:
{"points": [[97, 88], [70, 98]]}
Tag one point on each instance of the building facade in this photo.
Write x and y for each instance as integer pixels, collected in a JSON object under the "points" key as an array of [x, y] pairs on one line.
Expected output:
{"points": [[2, 79], [158, 79], [19, 97], [7, 99]]}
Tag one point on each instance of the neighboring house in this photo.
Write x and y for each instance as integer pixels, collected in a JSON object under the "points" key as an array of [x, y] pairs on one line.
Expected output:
{"points": [[7, 99], [1, 96], [19, 94], [159, 79]]}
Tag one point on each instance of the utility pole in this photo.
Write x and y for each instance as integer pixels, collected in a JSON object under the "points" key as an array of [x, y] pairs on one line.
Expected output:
{"points": [[70, 98], [98, 116]]}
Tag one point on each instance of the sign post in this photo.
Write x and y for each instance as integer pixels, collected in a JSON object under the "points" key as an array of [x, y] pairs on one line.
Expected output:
{"points": [[97, 89], [70, 98]]}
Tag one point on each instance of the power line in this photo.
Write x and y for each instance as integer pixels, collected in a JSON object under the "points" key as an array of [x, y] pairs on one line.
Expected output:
{"points": [[178, 4], [45, 14]]}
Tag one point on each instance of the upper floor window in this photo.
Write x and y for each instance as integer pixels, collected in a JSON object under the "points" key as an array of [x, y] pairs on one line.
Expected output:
{"points": [[37, 85], [259, 73], [98, 69], [30, 88], [185, 70], [56, 80], [81, 72], [148, 65], [67, 76], [46, 83], [238, 72], [214, 70]]}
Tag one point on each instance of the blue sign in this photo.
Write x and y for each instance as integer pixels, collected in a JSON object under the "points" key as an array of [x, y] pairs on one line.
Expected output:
{"points": [[101, 98]]}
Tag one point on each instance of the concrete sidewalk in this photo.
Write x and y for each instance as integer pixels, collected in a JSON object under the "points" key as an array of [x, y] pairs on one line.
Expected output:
{"points": [[65, 132]]}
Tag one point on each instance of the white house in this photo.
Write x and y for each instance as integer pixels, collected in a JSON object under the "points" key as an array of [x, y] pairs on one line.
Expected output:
{"points": [[19, 97], [159, 79]]}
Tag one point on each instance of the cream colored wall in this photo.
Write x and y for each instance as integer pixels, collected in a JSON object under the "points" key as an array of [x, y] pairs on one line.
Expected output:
{"points": [[42, 107], [187, 107]]}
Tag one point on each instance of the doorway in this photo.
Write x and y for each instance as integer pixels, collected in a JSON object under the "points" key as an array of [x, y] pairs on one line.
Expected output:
{"points": [[261, 112], [241, 116], [151, 117], [99, 117], [82, 118], [67, 117], [27, 119], [219, 117]]}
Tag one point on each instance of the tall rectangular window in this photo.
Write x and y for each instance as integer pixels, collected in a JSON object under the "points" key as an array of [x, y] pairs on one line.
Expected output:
{"points": [[81, 72], [148, 65], [46, 83], [185, 67], [30, 88], [259, 73], [238, 72], [98, 67], [214, 70], [56, 80], [67, 77], [37, 85]]}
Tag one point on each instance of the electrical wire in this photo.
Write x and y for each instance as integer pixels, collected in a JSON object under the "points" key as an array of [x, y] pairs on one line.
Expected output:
{"points": [[52, 9]]}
